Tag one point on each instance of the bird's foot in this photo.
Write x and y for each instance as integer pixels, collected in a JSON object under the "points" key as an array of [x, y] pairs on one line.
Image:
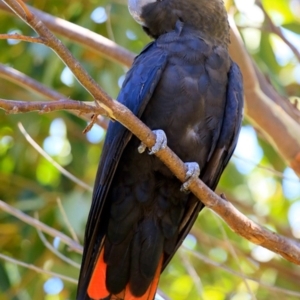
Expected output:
{"points": [[193, 172], [161, 143]]}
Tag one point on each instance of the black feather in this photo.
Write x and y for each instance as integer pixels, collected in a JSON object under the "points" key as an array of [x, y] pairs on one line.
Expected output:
{"points": [[185, 84]]}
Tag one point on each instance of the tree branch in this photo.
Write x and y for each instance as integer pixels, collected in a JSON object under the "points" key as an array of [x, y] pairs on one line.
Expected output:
{"points": [[30, 84], [278, 126], [82, 36], [277, 30], [36, 269], [66, 220], [16, 107], [237, 221], [56, 252], [218, 265], [52, 161], [209, 241], [41, 226], [21, 37], [260, 95]]}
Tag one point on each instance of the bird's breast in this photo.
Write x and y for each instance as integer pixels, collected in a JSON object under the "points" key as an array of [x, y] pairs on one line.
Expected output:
{"points": [[189, 100]]}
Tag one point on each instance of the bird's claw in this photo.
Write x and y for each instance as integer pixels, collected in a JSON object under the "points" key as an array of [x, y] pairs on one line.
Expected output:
{"points": [[193, 172], [160, 143]]}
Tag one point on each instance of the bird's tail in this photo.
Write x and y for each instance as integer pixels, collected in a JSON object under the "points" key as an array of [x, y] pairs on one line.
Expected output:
{"points": [[97, 286]]}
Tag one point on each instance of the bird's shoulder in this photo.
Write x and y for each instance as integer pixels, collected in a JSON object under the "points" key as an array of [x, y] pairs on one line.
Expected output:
{"points": [[193, 46]]}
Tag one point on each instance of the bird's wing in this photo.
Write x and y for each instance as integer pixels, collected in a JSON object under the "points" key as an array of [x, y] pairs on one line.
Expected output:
{"points": [[225, 146], [231, 126], [137, 89]]}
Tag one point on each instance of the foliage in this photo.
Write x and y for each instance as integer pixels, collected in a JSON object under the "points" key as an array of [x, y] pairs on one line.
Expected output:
{"points": [[30, 183]]}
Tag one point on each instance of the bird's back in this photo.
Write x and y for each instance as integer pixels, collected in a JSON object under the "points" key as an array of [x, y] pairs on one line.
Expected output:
{"points": [[147, 208], [139, 216]]}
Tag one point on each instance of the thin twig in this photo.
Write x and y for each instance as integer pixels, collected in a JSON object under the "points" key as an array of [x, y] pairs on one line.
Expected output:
{"points": [[56, 252], [39, 225], [233, 253], [261, 167], [20, 37], [66, 219], [108, 23], [16, 107], [213, 263], [273, 114], [52, 161], [192, 272], [37, 269], [30, 84], [212, 241], [277, 30], [82, 36]]}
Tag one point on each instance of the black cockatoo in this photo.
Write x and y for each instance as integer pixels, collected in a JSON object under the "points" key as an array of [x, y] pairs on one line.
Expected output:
{"points": [[185, 84]]}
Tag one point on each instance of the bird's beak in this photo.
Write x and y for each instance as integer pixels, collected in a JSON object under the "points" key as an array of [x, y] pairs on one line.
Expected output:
{"points": [[135, 8]]}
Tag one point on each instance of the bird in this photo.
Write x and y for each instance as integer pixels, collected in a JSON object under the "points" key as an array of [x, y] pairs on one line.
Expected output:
{"points": [[185, 87]]}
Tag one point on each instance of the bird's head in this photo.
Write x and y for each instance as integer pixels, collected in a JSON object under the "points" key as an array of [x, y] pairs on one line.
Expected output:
{"points": [[160, 16]]}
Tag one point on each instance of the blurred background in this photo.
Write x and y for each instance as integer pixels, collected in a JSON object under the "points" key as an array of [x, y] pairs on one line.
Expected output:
{"points": [[214, 263]]}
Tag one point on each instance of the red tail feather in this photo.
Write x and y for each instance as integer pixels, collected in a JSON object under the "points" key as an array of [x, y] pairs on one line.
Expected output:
{"points": [[97, 286], [150, 293]]}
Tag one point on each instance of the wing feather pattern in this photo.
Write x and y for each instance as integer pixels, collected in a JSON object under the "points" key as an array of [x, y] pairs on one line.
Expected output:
{"points": [[137, 89], [226, 144]]}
